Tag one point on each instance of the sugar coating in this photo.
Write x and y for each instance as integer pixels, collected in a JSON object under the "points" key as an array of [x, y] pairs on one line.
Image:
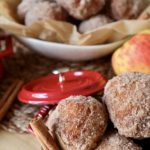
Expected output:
{"points": [[82, 9], [94, 22], [126, 9], [25, 6], [128, 101], [45, 11], [79, 121], [114, 141]]}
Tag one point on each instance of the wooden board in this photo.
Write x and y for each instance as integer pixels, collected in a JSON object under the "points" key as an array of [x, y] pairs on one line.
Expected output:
{"points": [[18, 141]]}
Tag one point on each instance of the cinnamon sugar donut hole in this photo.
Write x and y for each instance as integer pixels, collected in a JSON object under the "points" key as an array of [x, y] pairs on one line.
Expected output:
{"points": [[94, 22], [126, 9], [25, 6], [45, 11], [127, 98], [114, 141], [82, 9], [78, 122]]}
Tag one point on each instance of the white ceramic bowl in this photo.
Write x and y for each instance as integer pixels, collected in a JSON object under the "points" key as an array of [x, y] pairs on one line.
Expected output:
{"points": [[69, 52]]}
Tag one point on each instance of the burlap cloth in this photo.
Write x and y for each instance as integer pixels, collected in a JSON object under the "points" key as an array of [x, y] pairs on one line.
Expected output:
{"points": [[24, 64]]}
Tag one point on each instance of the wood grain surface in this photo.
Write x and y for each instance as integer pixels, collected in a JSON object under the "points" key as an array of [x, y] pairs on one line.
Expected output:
{"points": [[16, 141]]}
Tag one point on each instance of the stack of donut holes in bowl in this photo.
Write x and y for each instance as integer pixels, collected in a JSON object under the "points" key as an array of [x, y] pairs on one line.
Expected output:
{"points": [[119, 121], [86, 14]]}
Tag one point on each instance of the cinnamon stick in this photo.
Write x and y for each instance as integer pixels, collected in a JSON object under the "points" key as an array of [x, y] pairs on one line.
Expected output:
{"points": [[7, 93], [9, 97], [43, 136]]}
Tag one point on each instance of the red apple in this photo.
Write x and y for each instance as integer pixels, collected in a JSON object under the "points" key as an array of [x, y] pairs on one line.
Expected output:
{"points": [[134, 55]]}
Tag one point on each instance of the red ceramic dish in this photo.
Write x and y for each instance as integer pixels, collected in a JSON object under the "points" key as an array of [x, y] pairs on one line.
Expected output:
{"points": [[6, 48], [6, 42], [49, 90], [1, 70]]}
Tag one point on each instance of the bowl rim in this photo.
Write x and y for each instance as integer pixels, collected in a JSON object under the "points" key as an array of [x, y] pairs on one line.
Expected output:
{"points": [[69, 45]]}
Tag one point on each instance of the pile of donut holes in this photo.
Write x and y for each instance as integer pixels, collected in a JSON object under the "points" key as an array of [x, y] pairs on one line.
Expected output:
{"points": [[86, 14]]}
